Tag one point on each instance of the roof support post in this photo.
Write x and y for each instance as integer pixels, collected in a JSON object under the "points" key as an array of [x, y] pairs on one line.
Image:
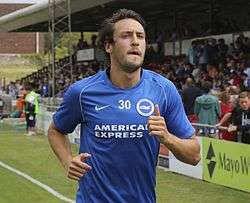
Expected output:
{"points": [[175, 31], [57, 27]]}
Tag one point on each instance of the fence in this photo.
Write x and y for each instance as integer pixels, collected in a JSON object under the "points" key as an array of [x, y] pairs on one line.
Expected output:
{"points": [[8, 103], [44, 118]]}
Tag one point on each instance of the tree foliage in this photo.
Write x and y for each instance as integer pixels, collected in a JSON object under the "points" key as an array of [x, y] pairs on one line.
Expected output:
{"points": [[64, 41]]}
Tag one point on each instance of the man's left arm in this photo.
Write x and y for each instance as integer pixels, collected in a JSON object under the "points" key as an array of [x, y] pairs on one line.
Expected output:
{"points": [[186, 150]]}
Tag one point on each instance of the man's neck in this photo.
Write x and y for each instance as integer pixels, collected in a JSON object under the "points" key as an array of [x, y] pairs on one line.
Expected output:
{"points": [[124, 80]]}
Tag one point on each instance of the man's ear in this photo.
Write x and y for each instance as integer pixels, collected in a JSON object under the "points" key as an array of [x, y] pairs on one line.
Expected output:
{"points": [[108, 47]]}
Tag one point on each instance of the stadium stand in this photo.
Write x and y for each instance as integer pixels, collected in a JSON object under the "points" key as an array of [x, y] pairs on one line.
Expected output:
{"points": [[223, 61], [226, 67]]}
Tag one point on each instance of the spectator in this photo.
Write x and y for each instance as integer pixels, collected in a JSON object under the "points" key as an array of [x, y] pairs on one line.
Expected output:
{"points": [[82, 44], [203, 55], [212, 50], [212, 71], [226, 112], [245, 86], [45, 89], [234, 94], [193, 53], [189, 94], [207, 107], [241, 118], [222, 48], [12, 90], [196, 74], [93, 40], [19, 111], [247, 72], [31, 109]]}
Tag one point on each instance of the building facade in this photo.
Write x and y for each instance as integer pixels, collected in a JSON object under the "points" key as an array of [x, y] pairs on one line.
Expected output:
{"points": [[19, 42]]}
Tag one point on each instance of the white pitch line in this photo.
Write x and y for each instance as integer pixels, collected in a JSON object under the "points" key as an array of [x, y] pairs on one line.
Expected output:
{"points": [[45, 187]]}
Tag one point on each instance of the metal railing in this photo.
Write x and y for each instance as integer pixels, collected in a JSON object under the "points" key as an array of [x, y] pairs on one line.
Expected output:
{"points": [[208, 130]]}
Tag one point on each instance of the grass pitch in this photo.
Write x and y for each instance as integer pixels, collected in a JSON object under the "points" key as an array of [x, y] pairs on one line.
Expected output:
{"points": [[33, 156], [14, 72]]}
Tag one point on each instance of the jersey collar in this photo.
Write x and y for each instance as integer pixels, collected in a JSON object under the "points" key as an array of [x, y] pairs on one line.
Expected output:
{"points": [[109, 83]]}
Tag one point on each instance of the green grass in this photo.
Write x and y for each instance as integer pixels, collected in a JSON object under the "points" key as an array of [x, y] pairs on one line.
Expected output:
{"points": [[175, 188], [17, 71], [17, 189], [32, 155]]}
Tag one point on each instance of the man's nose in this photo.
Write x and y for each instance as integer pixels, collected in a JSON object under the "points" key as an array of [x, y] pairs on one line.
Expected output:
{"points": [[135, 41]]}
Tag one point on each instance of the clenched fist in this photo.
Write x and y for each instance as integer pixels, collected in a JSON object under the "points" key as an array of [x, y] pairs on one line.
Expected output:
{"points": [[77, 168]]}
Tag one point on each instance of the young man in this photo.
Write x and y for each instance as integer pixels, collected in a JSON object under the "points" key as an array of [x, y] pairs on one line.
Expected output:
{"points": [[31, 108], [124, 112], [241, 118]]}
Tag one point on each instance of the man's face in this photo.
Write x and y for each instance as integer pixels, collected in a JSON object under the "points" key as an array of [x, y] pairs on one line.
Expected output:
{"points": [[128, 49], [244, 103], [212, 72]]}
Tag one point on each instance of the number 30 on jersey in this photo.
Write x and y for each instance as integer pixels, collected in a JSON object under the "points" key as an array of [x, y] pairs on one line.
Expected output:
{"points": [[124, 104]]}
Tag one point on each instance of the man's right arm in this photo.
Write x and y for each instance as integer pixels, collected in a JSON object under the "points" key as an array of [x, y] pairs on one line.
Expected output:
{"points": [[60, 144]]}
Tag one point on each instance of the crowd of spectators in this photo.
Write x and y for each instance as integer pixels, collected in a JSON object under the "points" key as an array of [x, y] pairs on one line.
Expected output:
{"points": [[210, 79], [211, 67]]}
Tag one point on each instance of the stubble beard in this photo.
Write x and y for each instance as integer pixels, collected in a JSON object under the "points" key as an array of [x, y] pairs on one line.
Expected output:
{"points": [[130, 67], [127, 65]]}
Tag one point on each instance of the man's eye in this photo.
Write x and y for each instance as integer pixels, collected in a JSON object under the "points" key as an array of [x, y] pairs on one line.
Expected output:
{"points": [[140, 36], [125, 36]]}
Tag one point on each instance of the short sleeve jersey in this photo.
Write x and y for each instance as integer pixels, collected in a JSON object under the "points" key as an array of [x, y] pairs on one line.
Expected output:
{"points": [[114, 131]]}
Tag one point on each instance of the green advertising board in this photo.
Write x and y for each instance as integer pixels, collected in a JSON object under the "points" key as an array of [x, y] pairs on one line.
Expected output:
{"points": [[226, 163]]}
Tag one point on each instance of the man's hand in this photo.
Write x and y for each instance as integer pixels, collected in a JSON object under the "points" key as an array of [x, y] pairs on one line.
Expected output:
{"points": [[157, 126], [186, 150], [232, 128], [77, 168]]}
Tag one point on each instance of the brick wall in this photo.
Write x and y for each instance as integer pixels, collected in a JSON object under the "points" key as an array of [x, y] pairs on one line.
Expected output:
{"points": [[14, 42], [9, 8]]}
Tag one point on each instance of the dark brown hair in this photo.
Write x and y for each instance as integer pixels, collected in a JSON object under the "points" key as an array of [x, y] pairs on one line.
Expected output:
{"points": [[106, 31], [207, 86]]}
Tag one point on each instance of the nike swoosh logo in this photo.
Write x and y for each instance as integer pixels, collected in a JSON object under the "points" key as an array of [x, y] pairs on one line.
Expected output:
{"points": [[101, 107]]}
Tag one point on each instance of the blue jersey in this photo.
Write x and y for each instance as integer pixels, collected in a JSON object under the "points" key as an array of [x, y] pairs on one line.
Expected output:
{"points": [[114, 131]]}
